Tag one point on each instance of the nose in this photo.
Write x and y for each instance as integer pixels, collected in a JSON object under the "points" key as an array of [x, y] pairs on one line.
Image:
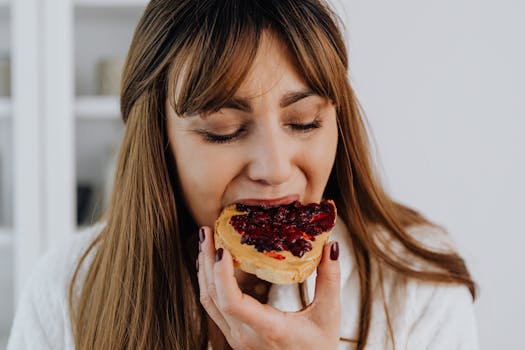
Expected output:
{"points": [[271, 159]]}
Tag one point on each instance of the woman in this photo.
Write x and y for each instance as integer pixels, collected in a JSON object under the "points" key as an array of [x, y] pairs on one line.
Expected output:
{"points": [[226, 101]]}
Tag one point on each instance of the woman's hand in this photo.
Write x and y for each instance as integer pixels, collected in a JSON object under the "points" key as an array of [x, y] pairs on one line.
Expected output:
{"points": [[248, 324]]}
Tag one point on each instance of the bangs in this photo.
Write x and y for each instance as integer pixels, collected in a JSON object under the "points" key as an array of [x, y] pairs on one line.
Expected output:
{"points": [[220, 49], [214, 61]]}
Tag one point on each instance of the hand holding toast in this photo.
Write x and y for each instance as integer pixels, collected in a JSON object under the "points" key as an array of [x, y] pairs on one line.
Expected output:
{"points": [[248, 324]]}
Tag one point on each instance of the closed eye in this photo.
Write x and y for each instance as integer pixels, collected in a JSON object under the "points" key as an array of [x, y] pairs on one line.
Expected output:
{"points": [[219, 138], [306, 127]]}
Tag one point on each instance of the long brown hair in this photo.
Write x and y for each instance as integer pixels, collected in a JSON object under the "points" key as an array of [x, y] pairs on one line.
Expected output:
{"points": [[138, 289]]}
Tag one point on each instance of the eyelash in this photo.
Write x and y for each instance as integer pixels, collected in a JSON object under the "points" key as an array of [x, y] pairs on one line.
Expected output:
{"points": [[214, 138]]}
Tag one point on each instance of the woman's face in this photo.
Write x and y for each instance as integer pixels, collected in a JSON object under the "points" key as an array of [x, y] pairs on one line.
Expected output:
{"points": [[274, 139]]}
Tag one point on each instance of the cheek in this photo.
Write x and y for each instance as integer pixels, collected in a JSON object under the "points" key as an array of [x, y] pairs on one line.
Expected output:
{"points": [[203, 175], [321, 153], [204, 169]]}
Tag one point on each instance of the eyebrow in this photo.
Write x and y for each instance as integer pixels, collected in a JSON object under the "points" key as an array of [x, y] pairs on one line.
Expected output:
{"points": [[288, 99]]}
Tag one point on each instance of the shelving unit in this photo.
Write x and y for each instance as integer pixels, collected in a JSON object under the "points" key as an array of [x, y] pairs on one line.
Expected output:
{"points": [[6, 147], [67, 136], [102, 30], [4, 9], [5, 107], [6, 237], [6, 174], [110, 3], [97, 107]]}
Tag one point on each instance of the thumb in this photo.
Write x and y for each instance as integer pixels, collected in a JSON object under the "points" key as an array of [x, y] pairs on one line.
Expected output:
{"points": [[327, 301]]}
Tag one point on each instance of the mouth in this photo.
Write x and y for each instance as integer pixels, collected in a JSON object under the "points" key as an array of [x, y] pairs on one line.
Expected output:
{"points": [[269, 202]]}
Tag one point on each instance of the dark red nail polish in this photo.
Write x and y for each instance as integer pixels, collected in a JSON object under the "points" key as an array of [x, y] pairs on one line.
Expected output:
{"points": [[218, 254], [201, 234], [334, 251], [197, 265]]}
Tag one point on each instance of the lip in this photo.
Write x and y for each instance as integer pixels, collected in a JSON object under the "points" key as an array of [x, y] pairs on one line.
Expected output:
{"points": [[269, 202]]}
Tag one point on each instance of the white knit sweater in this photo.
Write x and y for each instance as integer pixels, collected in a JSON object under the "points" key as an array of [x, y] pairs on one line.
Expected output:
{"points": [[422, 315]]}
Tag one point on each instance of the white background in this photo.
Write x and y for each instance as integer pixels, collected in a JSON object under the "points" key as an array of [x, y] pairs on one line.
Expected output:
{"points": [[443, 86]]}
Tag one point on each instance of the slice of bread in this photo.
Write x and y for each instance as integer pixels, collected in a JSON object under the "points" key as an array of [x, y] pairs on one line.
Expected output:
{"points": [[291, 269]]}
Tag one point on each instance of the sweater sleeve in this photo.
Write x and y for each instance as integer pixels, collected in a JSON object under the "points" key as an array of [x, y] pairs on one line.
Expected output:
{"points": [[42, 319], [38, 322], [444, 319]]}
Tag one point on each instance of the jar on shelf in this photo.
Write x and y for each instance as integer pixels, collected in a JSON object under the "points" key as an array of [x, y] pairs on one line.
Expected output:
{"points": [[5, 75], [109, 71]]}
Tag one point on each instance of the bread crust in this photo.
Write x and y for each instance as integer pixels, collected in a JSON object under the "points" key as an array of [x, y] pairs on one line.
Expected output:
{"points": [[292, 269]]}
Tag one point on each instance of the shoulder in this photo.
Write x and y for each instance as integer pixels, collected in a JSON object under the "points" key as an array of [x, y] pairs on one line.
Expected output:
{"points": [[430, 315], [441, 316], [430, 236], [423, 314], [418, 292], [55, 268], [425, 236], [42, 314]]}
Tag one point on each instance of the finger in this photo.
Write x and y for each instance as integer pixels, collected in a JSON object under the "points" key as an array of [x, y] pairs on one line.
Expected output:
{"points": [[206, 300], [208, 259], [326, 305], [235, 305]]}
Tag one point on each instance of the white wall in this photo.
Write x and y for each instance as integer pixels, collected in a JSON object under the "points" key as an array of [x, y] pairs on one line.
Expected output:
{"points": [[443, 87]]}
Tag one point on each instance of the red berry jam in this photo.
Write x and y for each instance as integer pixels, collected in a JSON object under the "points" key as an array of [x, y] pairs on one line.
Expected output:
{"points": [[288, 227]]}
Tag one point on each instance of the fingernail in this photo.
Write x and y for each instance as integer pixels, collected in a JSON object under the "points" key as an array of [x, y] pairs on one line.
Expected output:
{"points": [[218, 254], [334, 251], [197, 264], [201, 235]]}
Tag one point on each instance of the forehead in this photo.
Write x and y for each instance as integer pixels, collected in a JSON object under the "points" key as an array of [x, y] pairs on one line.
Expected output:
{"points": [[274, 67]]}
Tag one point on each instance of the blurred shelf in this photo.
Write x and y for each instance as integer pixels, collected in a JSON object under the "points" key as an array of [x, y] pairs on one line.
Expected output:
{"points": [[6, 237], [4, 335], [98, 9], [5, 107], [97, 107], [4, 9], [109, 3]]}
